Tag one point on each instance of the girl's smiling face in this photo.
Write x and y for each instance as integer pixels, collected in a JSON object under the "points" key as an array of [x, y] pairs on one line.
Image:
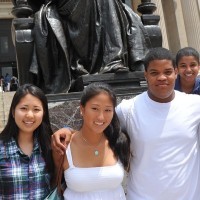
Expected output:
{"points": [[28, 114], [98, 113]]}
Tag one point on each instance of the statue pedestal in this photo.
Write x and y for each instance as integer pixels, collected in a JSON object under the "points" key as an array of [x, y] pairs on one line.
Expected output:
{"points": [[121, 82], [64, 107]]}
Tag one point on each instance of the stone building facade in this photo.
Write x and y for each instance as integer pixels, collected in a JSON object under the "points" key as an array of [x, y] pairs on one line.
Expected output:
{"points": [[179, 23]]}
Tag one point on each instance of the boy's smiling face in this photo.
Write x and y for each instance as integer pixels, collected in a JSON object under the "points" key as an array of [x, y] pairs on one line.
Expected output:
{"points": [[161, 76]]}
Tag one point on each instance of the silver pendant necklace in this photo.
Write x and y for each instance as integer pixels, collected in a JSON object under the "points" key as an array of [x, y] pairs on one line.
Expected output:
{"points": [[96, 151]]}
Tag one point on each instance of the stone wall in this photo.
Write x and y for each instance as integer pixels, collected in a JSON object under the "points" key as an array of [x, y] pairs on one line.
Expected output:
{"points": [[63, 108], [5, 101]]}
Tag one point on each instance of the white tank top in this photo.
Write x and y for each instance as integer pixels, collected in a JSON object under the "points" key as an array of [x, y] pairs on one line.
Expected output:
{"points": [[93, 183]]}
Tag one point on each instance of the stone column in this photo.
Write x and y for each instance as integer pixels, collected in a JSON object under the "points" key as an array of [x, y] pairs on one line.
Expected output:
{"points": [[191, 15], [180, 24], [175, 25], [199, 4]]}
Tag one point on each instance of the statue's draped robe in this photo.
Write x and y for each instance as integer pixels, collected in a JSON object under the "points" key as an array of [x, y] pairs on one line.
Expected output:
{"points": [[77, 37]]}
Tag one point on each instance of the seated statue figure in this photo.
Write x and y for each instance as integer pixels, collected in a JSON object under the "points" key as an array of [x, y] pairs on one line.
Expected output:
{"points": [[79, 37]]}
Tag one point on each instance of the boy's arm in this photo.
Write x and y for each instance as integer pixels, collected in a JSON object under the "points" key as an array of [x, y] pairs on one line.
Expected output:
{"points": [[60, 140]]}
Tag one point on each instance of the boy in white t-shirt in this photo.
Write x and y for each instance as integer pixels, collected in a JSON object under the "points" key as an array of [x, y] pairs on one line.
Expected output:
{"points": [[163, 125]]}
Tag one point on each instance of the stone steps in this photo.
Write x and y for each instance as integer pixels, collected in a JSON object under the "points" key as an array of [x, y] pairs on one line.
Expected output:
{"points": [[5, 102]]}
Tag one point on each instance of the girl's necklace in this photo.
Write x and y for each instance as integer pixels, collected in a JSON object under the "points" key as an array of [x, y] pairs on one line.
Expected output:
{"points": [[96, 151]]}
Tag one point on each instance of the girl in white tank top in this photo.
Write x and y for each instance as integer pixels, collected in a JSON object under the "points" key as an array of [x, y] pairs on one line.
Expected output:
{"points": [[99, 152]]}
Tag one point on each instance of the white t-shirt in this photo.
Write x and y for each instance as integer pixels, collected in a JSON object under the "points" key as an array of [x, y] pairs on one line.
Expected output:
{"points": [[164, 141]]}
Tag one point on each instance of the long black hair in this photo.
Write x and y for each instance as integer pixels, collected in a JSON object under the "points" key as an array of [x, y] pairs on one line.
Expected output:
{"points": [[43, 131], [119, 141]]}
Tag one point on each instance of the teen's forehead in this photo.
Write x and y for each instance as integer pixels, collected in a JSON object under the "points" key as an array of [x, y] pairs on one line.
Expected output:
{"points": [[188, 59], [160, 64], [30, 99]]}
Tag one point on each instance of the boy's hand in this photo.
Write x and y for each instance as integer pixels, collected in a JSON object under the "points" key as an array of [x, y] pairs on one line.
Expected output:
{"points": [[60, 140]]}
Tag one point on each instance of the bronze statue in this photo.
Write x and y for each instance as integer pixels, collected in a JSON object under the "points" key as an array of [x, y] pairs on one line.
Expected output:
{"points": [[73, 38]]}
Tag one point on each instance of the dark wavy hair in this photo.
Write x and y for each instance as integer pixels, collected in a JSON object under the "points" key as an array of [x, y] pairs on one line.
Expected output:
{"points": [[158, 53], [187, 51], [119, 141], [44, 130]]}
